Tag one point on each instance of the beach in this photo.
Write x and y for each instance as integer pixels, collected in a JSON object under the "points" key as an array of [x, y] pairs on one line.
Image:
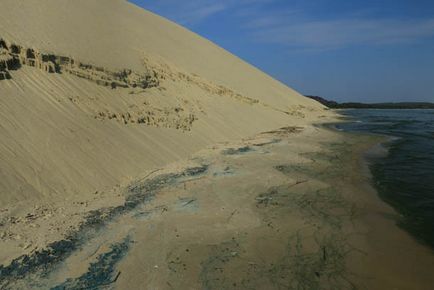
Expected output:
{"points": [[137, 154], [292, 208]]}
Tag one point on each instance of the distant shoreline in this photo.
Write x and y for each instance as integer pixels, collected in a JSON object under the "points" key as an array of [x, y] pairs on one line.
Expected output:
{"points": [[356, 105]]}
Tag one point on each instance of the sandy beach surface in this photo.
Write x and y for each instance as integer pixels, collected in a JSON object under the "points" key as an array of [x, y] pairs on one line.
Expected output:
{"points": [[287, 209], [135, 154]]}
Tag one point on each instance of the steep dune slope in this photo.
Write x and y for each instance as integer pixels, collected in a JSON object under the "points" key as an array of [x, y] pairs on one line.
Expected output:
{"points": [[115, 33], [95, 92]]}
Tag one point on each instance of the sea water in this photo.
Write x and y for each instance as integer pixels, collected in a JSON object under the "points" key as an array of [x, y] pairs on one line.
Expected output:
{"points": [[404, 177]]}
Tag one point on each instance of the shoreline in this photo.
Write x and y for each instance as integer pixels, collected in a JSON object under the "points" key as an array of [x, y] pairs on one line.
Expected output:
{"points": [[405, 262], [401, 182], [251, 210]]}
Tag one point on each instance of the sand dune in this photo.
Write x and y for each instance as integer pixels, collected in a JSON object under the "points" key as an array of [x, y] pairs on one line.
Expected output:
{"points": [[136, 154], [95, 92]]}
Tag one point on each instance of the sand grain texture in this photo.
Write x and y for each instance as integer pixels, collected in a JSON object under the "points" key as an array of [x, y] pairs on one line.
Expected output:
{"points": [[65, 130], [134, 154]]}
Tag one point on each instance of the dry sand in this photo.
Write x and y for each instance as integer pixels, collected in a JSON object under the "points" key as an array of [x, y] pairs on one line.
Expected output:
{"points": [[132, 158], [69, 133]]}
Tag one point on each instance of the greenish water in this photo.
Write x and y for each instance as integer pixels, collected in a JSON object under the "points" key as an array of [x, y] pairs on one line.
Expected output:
{"points": [[405, 176]]}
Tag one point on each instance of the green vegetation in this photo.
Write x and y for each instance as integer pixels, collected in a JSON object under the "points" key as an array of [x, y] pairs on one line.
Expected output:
{"points": [[355, 105]]}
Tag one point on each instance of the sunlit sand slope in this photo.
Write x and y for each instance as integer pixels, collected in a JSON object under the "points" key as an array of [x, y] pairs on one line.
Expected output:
{"points": [[94, 92]]}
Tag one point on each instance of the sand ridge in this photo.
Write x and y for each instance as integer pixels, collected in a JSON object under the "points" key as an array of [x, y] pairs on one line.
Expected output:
{"points": [[86, 107], [131, 154]]}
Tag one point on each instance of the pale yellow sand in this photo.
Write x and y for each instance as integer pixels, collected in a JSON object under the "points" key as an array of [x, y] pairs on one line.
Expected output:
{"points": [[140, 96], [62, 135], [288, 209]]}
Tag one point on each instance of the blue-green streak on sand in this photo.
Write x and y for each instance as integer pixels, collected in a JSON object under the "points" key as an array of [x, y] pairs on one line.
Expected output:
{"points": [[100, 273], [405, 176], [42, 262]]}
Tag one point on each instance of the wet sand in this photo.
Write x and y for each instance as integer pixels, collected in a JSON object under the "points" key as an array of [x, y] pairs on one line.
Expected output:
{"points": [[287, 209]]}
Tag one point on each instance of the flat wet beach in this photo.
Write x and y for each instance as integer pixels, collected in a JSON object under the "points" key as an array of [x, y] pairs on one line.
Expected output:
{"points": [[282, 210]]}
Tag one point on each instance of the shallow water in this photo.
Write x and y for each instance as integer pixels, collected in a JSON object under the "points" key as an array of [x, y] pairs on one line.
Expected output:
{"points": [[405, 176]]}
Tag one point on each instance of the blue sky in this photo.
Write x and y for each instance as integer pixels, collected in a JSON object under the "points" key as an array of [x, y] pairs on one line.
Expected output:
{"points": [[347, 50]]}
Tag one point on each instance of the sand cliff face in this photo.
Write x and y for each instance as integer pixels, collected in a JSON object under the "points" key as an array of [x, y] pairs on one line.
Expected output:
{"points": [[130, 156], [93, 93], [14, 56]]}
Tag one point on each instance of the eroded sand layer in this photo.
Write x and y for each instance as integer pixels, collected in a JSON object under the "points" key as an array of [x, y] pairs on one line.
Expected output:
{"points": [[282, 210], [93, 93], [70, 128]]}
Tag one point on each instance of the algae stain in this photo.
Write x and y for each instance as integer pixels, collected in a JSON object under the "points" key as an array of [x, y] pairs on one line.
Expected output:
{"points": [[100, 273]]}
